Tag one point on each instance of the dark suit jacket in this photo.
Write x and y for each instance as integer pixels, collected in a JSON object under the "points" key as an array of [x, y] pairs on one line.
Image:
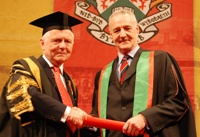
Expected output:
{"points": [[44, 121], [49, 109], [171, 108]]}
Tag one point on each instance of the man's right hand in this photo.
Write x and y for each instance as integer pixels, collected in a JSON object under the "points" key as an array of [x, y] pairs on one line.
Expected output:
{"points": [[76, 117]]}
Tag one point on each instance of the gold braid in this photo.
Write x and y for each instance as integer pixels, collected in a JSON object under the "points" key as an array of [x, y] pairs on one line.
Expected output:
{"points": [[17, 92]]}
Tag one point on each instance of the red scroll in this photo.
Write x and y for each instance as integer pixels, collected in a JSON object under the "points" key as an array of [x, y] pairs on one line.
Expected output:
{"points": [[103, 123]]}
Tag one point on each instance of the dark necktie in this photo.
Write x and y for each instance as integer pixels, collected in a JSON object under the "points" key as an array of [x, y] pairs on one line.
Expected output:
{"points": [[123, 68], [63, 91]]}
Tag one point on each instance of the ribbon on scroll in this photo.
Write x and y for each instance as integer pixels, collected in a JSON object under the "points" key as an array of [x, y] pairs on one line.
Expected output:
{"points": [[103, 123]]}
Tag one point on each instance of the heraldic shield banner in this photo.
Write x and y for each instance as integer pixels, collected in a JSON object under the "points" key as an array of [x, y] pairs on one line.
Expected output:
{"points": [[164, 24]]}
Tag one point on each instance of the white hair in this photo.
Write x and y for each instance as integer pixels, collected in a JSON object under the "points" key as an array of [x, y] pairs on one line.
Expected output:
{"points": [[48, 33]]}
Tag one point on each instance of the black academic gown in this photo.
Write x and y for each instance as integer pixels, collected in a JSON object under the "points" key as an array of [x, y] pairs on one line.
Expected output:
{"points": [[44, 121], [171, 112]]}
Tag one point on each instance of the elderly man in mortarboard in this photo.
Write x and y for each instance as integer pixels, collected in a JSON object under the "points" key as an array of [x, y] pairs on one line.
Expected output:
{"points": [[40, 99]]}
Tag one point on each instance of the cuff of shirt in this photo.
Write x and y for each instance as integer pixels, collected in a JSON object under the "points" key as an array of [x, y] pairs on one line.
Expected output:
{"points": [[65, 115]]}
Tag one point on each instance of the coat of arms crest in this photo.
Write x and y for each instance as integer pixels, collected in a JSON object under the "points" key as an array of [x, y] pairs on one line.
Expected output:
{"points": [[141, 8]]}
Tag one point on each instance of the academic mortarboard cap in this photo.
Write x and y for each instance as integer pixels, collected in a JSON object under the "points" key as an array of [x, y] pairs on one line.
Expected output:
{"points": [[57, 20]]}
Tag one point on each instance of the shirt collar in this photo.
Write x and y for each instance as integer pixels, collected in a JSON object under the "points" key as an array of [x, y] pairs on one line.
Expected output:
{"points": [[131, 54], [51, 65]]}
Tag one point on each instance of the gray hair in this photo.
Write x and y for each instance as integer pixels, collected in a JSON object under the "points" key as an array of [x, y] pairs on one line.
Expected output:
{"points": [[46, 35], [123, 11]]}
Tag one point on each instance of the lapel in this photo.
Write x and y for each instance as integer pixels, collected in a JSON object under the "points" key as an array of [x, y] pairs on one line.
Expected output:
{"points": [[132, 68], [50, 76], [113, 76], [72, 92], [47, 69]]}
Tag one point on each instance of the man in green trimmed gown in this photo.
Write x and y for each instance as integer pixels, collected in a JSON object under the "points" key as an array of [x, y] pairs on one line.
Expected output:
{"points": [[151, 98]]}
